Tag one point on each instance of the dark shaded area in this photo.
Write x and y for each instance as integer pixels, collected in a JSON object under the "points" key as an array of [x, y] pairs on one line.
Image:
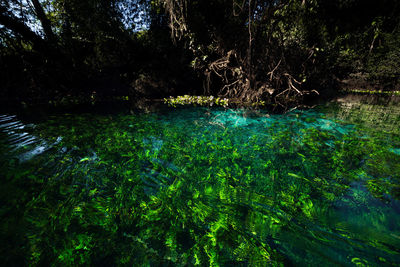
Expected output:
{"points": [[91, 54], [282, 52]]}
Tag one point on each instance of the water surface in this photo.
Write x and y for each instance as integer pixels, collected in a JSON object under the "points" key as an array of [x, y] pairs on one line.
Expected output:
{"points": [[202, 186]]}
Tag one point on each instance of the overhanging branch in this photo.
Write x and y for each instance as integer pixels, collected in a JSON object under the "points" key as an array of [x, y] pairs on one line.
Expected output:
{"points": [[16, 26]]}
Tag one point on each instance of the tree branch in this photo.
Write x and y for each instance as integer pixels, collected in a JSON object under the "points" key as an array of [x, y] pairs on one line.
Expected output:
{"points": [[46, 24], [18, 27]]}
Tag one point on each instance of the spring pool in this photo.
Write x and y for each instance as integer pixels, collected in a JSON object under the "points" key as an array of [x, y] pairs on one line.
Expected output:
{"points": [[200, 186]]}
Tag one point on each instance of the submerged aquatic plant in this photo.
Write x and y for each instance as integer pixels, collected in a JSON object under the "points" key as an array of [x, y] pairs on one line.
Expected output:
{"points": [[202, 187]]}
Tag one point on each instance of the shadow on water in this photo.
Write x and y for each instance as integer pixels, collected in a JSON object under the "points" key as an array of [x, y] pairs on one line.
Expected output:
{"points": [[203, 186]]}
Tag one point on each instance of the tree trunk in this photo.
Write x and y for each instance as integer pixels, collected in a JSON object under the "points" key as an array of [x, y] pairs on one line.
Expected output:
{"points": [[249, 51], [46, 24]]}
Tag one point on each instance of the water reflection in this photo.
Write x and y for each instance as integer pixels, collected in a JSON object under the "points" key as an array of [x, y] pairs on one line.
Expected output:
{"points": [[382, 113]]}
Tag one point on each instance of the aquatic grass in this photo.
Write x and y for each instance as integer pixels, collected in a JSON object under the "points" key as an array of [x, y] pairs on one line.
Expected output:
{"points": [[177, 188]]}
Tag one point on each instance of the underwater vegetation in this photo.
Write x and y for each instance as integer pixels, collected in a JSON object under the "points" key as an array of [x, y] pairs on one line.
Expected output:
{"points": [[202, 186]]}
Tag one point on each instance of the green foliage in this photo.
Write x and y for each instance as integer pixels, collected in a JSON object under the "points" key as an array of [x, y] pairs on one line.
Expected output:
{"points": [[383, 64], [196, 100], [272, 51], [374, 92]]}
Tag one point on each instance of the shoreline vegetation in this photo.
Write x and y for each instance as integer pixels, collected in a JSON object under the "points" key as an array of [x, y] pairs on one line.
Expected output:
{"points": [[148, 104], [281, 53], [372, 92]]}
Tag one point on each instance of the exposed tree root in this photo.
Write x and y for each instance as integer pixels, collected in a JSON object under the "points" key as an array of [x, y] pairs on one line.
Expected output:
{"points": [[250, 74]]}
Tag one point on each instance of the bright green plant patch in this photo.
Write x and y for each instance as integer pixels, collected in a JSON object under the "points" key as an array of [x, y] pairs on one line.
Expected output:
{"points": [[196, 100], [201, 186]]}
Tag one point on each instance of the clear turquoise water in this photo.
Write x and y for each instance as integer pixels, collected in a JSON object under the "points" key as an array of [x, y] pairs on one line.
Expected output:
{"points": [[211, 187]]}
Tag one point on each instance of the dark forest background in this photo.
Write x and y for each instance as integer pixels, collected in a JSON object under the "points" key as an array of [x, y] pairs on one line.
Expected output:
{"points": [[281, 51]]}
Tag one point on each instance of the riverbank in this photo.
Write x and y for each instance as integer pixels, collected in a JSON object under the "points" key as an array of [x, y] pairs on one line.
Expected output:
{"points": [[109, 103]]}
